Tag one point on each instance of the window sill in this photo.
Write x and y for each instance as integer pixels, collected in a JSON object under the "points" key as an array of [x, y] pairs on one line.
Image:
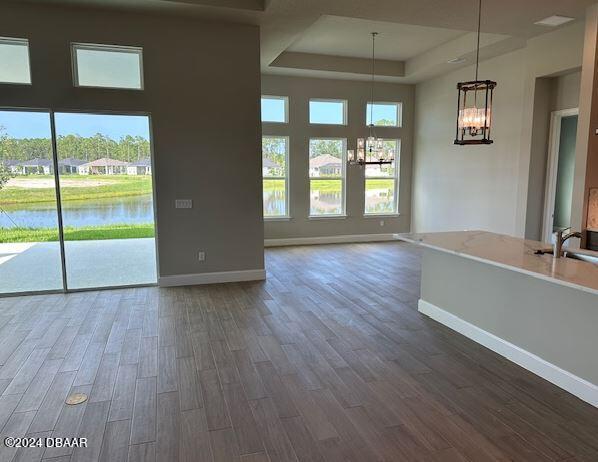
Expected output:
{"points": [[381, 215], [327, 217], [278, 218]]}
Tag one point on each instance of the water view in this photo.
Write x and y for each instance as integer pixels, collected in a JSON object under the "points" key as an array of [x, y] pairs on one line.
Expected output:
{"points": [[106, 201], [101, 212]]}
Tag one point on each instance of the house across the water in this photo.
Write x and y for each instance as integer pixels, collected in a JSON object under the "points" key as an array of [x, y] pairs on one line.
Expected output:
{"points": [[35, 166], [11, 165], [325, 165], [141, 167], [70, 165], [103, 166]]}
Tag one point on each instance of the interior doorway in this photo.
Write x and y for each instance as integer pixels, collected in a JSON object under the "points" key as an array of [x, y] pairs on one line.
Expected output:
{"points": [[76, 201], [560, 172]]}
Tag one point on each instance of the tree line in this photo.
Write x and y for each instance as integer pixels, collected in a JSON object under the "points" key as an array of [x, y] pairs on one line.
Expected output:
{"points": [[127, 148]]}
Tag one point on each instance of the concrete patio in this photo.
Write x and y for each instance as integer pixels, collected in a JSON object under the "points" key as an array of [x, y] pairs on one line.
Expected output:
{"points": [[26, 267]]}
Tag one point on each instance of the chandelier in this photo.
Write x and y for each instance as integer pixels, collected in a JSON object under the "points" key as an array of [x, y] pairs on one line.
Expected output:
{"points": [[474, 104], [371, 150]]}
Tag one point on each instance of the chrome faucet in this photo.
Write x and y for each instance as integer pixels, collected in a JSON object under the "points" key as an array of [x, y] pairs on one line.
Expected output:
{"points": [[560, 239]]}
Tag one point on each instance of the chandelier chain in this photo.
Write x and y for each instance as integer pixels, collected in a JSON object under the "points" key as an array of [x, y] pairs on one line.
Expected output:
{"points": [[373, 78], [477, 58]]}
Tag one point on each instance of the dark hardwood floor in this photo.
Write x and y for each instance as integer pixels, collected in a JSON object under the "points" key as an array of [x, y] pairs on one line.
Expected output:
{"points": [[328, 360]]}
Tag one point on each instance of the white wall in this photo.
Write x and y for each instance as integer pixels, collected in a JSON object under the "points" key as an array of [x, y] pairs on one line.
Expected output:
{"points": [[484, 187], [467, 187]]}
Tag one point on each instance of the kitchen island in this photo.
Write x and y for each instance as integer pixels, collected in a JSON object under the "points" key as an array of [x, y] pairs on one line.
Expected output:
{"points": [[537, 311]]}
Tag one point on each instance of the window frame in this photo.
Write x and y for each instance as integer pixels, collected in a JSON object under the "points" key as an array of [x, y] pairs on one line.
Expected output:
{"points": [[397, 182], [342, 179], [109, 48], [329, 100], [16, 41], [287, 215], [397, 104], [286, 109]]}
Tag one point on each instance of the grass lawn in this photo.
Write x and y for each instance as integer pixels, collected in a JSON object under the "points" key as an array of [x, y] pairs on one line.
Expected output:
{"points": [[24, 190], [12, 235]]}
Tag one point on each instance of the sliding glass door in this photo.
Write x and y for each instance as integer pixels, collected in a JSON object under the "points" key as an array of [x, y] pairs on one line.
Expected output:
{"points": [[97, 230], [104, 166], [30, 255]]}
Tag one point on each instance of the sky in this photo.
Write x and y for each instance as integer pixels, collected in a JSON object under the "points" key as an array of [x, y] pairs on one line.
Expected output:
{"points": [[37, 124]]}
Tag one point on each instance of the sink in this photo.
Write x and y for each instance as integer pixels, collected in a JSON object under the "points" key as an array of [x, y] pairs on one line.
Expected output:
{"points": [[581, 255]]}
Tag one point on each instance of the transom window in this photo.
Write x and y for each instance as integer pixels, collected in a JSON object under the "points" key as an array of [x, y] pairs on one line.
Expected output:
{"points": [[275, 109], [327, 160], [384, 114], [328, 111], [382, 184], [107, 66], [14, 61], [275, 161]]}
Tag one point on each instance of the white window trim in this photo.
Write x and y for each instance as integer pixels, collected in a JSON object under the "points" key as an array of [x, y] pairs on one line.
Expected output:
{"points": [[19, 41], [399, 107], [286, 109], [343, 179], [395, 212], [102, 47], [287, 215], [329, 100]]}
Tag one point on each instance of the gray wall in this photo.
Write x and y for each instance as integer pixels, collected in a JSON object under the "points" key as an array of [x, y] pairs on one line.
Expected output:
{"points": [[565, 91], [554, 322], [299, 91], [203, 96]]}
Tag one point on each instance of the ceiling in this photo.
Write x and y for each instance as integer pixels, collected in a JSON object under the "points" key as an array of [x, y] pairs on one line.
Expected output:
{"points": [[330, 38], [341, 36]]}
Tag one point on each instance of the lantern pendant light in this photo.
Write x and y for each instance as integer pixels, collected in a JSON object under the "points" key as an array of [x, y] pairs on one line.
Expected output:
{"points": [[371, 150], [474, 104]]}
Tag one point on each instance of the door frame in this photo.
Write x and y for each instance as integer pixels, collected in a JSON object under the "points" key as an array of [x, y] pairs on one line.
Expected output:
{"points": [[552, 166], [54, 140]]}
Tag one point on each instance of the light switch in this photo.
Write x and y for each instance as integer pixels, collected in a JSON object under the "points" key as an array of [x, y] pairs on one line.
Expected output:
{"points": [[183, 203]]}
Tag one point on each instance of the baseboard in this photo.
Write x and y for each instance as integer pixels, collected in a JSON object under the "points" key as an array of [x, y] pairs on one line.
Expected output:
{"points": [[575, 385], [342, 239], [212, 278]]}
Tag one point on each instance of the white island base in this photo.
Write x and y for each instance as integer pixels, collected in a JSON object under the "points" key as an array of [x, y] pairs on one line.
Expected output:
{"points": [[540, 313]]}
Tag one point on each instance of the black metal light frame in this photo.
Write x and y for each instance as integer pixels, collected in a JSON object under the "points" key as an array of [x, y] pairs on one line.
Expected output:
{"points": [[481, 90]]}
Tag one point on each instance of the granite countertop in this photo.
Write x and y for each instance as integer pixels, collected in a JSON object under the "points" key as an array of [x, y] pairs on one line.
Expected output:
{"points": [[512, 253]]}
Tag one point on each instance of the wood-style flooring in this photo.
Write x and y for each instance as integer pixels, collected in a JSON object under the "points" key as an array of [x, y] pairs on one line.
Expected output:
{"points": [[328, 360]]}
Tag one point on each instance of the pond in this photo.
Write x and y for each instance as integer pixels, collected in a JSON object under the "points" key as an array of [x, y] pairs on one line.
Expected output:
{"points": [[379, 199], [120, 210]]}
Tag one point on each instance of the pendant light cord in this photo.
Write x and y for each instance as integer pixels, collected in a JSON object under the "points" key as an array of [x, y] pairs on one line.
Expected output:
{"points": [[477, 58], [373, 74]]}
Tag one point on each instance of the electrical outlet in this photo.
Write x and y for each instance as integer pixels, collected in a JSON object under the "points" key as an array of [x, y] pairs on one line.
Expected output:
{"points": [[381, 222], [183, 204], [201, 256]]}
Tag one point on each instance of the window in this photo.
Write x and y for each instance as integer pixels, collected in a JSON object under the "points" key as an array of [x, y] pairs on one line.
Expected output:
{"points": [[275, 161], [328, 111], [107, 66], [384, 114], [382, 184], [327, 176], [275, 109], [14, 56]]}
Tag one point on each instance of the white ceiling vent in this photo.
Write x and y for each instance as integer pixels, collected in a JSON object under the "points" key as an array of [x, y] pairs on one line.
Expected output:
{"points": [[554, 21]]}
